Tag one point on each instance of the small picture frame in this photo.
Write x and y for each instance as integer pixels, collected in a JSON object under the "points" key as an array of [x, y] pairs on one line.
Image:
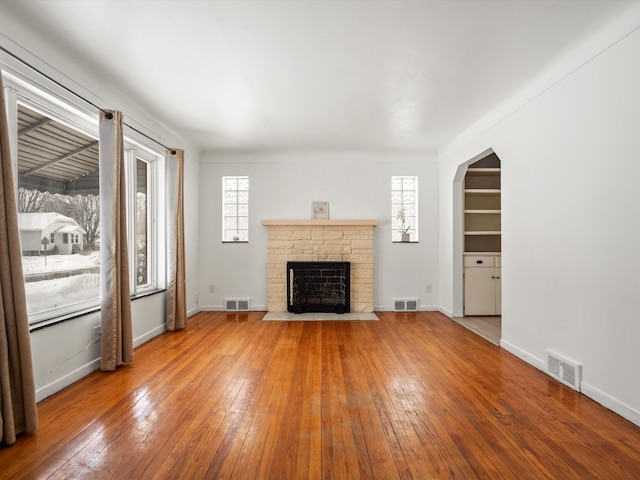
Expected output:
{"points": [[320, 210]]}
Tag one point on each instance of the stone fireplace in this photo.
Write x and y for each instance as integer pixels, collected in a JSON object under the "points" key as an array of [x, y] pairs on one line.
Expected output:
{"points": [[321, 241]]}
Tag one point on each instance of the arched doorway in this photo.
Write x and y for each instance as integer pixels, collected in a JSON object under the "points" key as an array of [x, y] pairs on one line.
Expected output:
{"points": [[477, 248]]}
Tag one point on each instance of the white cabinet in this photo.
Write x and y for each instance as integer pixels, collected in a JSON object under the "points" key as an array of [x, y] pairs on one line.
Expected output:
{"points": [[482, 285]]}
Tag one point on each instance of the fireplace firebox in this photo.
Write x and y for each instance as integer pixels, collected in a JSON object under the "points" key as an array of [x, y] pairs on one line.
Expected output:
{"points": [[318, 287]]}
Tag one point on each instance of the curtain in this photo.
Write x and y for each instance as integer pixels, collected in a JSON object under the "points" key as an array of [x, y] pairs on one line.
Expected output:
{"points": [[18, 411], [117, 334], [176, 290]]}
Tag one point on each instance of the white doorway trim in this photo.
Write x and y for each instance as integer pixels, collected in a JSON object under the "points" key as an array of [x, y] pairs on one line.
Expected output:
{"points": [[458, 234]]}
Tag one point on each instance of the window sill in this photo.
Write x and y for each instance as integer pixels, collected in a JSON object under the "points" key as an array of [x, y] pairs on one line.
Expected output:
{"points": [[81, 313], [235, 241], [412, 241]]}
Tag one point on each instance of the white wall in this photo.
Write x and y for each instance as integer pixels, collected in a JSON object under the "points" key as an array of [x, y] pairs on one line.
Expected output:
{"points": [[570, 225], [283, 185]]}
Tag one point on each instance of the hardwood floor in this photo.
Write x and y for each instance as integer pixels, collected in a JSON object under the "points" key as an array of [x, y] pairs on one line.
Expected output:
{"points": [[410, 396]]}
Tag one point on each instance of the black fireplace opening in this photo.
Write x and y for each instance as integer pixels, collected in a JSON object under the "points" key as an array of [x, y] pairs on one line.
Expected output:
{"points": [[318, 287]]}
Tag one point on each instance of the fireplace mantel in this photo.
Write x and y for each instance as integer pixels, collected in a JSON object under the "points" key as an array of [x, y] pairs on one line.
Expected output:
{"points": [[319, 222], [320, 241]]}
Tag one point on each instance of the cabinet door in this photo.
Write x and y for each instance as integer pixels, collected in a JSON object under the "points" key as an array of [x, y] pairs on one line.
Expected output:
{"points": [[480, 291]]}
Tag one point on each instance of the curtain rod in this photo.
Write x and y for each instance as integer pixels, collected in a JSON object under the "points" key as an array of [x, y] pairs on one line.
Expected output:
{"points": [[172, 150]]}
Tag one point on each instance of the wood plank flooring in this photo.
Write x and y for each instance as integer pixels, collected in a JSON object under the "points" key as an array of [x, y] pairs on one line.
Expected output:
{"points": [[412, 396]]}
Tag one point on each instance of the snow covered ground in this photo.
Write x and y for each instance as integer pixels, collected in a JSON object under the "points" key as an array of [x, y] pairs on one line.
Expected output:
{"points": [[56, 263], [56, 296]]}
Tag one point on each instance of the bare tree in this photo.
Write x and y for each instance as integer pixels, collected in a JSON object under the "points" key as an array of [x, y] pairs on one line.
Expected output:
{"points": [[85, 209], [58, 203], [31, 201]]}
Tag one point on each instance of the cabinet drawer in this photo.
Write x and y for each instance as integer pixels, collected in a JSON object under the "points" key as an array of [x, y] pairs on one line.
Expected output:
{"points": [[479, 261]]}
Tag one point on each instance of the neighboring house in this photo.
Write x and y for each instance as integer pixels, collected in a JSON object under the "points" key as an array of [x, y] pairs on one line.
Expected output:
{"points": [[61, 232]]}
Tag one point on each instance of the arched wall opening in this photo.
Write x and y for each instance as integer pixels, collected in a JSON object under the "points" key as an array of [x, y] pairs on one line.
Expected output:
{"points": [[458, 232]]}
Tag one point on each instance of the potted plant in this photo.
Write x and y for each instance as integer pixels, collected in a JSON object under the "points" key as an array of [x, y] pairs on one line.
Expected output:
{"points": [[404, 229]]}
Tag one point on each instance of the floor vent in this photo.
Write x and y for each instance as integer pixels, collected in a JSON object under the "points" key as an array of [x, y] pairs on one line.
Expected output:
{"points": [[405, 304], [564, 370], [237, 304]]}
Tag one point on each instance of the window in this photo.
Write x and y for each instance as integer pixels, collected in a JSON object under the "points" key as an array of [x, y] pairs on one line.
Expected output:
{"points": [[404, 209], [59, 203], [141, 172], [58, 209], [235, 209]]}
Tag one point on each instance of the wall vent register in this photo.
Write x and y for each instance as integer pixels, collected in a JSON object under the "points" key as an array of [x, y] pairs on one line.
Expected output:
{"points": [[405, 304], [237, 304]]}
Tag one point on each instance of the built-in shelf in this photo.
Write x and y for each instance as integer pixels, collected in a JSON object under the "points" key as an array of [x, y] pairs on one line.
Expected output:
{"points": [[482, 209], [482, 238], [483, 171], [482, 190]]}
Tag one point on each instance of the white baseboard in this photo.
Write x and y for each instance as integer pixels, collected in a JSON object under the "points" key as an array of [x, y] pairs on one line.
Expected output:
{"points": [[212, 308], [145, 337], [68, 379], [428, 308], [192, 312], [86, 369], [421, 308], [522, 355], [220, 308], [446, 312], [613, 404]]}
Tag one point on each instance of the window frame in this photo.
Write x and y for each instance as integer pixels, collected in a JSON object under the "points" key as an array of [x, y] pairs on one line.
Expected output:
{"points": [[415, 227], [224, 209], [53, 102], [41, 101], [133, 153]]}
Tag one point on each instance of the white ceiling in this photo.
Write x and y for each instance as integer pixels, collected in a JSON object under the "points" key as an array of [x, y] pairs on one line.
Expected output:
{"points": [[316, 74]]}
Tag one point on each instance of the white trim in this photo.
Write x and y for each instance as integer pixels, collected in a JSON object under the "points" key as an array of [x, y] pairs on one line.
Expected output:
{"points": [[221, 308], [68, 379], [428, 308], [611, 403], [524, 356], [145, 337], [212, 308]]}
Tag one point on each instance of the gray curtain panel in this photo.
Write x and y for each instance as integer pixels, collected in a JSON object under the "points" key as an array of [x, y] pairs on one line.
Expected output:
{"points": [[115, 294], [17, 386], [176, 288]]}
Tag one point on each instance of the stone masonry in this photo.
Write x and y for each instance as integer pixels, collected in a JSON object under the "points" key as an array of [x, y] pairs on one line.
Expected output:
{"points": [[321, 240]]}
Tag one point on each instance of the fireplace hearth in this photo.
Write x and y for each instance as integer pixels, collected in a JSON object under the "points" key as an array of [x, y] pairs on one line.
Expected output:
{"points": [[318, 287]]}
